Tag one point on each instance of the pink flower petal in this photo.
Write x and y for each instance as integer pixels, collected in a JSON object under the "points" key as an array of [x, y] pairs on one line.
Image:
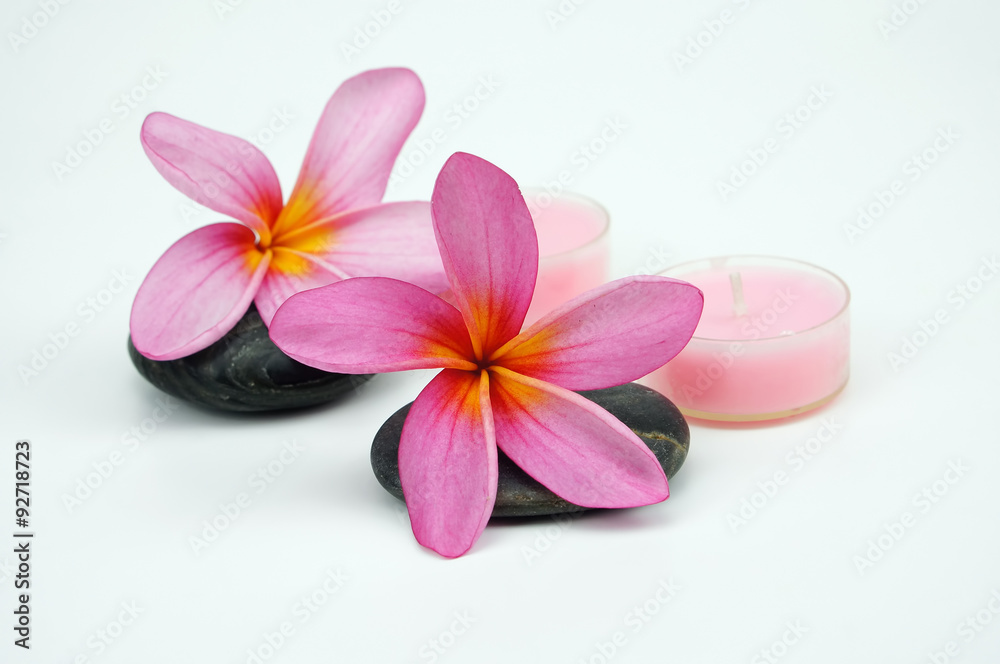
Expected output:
{"points": [[611, 335], [221, 172], [359, 135], [393, 240], [488, 246], [572, 446], [197, 291], [292, 271], [448, 462], [370, 325]]}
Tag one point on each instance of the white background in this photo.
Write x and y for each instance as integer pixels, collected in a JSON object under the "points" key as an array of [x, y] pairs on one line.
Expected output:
{"points": [[556, 85]]}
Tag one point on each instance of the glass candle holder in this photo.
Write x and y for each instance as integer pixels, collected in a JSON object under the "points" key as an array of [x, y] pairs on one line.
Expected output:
{"points": [[573, 252], [773, 340]]}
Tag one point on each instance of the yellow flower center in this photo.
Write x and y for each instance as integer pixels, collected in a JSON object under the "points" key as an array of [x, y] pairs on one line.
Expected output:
{"points": [[296, 234]]}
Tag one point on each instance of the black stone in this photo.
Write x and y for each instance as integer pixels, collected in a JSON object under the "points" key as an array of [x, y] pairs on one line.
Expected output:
{"points": [[647, 412], [245, 372]]}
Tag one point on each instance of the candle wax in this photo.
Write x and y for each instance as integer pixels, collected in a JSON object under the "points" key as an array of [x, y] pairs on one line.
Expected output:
{"points": [[787, 354], [777, 303]]}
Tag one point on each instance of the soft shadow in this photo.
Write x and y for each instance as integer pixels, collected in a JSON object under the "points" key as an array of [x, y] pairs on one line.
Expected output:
{"points": [[594, 519]]}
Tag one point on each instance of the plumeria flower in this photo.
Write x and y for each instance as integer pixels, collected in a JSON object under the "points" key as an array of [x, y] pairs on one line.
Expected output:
{"points": [[500, 386], [332, 227]]}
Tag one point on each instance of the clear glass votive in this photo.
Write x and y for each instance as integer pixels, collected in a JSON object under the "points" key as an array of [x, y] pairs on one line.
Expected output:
{"points": [[773, 340]]}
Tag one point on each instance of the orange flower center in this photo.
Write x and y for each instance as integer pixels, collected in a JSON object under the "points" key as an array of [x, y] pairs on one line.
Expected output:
{"points": [[296, 235]]}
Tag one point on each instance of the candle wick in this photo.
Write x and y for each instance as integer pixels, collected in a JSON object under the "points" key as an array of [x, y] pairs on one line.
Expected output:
{"points": [[739, 305]]}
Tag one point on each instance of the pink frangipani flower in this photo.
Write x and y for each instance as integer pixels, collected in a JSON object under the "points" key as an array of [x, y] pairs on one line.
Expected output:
{"points": [[333, 226], [500, 386]]}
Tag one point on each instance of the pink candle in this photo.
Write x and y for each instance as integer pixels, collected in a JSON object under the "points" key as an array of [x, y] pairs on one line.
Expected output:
{"points": [[572, 248], [773, 340]]}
